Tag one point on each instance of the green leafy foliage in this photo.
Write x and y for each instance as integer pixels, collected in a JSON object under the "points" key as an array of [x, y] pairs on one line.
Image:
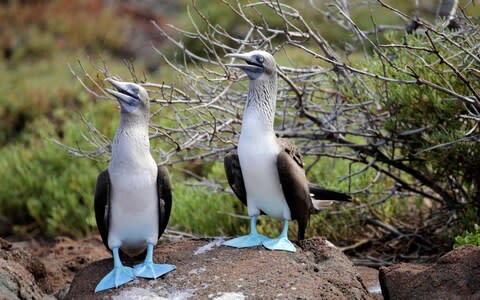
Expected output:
{"points": [[427, 128], [469, 238], [198, 210], [45, 188], [420, 106]]}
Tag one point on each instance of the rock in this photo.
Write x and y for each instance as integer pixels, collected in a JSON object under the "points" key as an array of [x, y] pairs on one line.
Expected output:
{"points": [[456, 275], [22, 276], [64, 257], [205, 269], [17, 283], [370, 280]]}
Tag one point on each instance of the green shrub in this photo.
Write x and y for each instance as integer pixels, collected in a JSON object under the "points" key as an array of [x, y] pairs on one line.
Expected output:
{"points": [[426, 128], [45, 188], [201, 211], [469, 238]]}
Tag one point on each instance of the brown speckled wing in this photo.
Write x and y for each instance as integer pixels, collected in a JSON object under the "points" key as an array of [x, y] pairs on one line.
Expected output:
{"points": [[290, 148], [294, 184]]}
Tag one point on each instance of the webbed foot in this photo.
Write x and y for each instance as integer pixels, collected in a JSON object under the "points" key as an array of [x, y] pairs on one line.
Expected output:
{"points": [[118, 276], [280, 243], [148, 269], [250, 240], [151, 270]]}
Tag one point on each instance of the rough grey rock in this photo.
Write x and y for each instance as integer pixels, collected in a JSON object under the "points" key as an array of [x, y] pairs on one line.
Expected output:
{"points": [[207, 270], [456, 275], [21, 275]]}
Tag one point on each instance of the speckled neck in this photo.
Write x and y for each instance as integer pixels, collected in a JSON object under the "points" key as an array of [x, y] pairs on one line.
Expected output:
{"points": [[261, 101]]}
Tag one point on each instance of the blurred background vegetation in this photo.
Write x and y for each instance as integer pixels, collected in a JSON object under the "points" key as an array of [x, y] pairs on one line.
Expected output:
{"points": [[44, 191]]}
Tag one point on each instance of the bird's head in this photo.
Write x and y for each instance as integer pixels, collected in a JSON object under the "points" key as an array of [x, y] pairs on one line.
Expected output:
{"points": [[133, 98], [259, 64]]}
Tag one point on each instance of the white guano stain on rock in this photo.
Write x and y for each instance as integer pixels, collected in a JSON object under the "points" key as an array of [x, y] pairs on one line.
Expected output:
{"points": [[330, 244], [136, 293], [197, 271], [209, 246], [228, 296], [375, 289]]}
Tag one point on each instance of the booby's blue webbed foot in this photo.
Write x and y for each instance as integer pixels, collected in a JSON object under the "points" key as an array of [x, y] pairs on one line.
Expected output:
{"points": [[118, 276], [151, 270], [148, 269], [251, 240], [281, 242]]}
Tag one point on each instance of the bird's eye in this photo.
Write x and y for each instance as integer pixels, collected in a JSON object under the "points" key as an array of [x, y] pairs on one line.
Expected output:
{"points": [[260, 59]]}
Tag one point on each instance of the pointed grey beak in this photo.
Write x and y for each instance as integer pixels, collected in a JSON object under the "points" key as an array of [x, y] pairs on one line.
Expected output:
{"points": [[253, 69], [126, 94], [238, 55], [122, 89]]}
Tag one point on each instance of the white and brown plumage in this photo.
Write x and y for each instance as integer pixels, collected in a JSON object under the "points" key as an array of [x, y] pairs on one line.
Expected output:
{"points": [[267, 173]]}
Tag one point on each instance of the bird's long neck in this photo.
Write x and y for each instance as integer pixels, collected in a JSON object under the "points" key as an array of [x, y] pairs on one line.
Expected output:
{"points": [[261, 104], [131, 143]]}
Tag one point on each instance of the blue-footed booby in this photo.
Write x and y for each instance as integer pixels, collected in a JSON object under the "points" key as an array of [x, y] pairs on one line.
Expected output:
{"points": [[133, 196], [267, 173]]}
